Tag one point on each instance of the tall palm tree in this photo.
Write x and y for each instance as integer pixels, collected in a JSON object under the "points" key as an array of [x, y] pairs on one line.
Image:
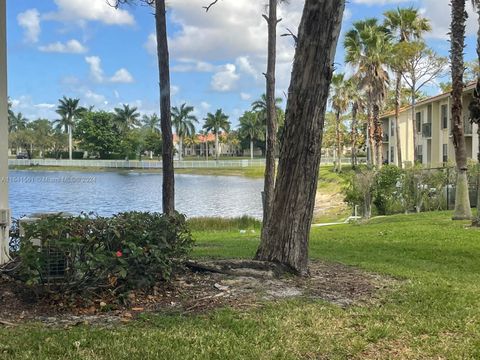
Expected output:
{"points": [[457, 40], [151, 122], [252, 128], [126, 117], [368, 48], [261, 104], [70, 111], [184, 123], [357, 104], [339, 101], [16, 122], [215, 123], [407, 24]]}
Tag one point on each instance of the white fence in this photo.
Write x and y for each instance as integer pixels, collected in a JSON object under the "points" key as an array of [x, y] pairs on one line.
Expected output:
{"points": [[135, 164]]}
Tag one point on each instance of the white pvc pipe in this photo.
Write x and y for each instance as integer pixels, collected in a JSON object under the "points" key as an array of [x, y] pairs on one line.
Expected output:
{"points": [[4, 208]]}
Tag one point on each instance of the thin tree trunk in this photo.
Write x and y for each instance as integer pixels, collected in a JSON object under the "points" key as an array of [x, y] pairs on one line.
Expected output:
{"points": [[354, 135], [296, 186], [217, 146], [398, 90], [378, 134], [414, 122], [251, 149], [269, 182], [70, 142], [180, 148], [371, 137], [168, 187], [337, 166], [462, 200]]}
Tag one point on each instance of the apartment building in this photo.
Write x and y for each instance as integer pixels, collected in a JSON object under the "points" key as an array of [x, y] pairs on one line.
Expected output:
{"points": [[433, 134]]}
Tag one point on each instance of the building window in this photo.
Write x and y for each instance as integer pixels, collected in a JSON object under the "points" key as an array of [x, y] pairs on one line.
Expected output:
{"points": [[392, 155], [445, 153], [429, 113], [444, 112], [392, 128], [418, 118], [420, 153]]}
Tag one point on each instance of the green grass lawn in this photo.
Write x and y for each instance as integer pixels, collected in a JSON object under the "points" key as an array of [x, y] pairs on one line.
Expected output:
{"points": [[433, 314]]}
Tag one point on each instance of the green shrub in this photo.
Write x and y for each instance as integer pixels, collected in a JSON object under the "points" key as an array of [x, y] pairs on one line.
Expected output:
{"points": [[386, 192], [127, 251]]}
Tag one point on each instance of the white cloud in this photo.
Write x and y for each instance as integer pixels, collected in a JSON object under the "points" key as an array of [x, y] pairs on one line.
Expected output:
{"points": [[80, 11], [122, 76], [205, 106], [244, 65], [96, 72], [45, 106], [174, 90], [32, 110], [30, 22], [72, 47], [94, 98], [379, 2], [225, 79], [245, 96], [439, 14], [188, 65]]}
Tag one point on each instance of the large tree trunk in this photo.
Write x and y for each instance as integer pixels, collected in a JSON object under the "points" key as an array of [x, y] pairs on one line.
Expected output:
{"points": [[269, 182], [168, 187], [378, 135], [294, 199], [462, 200], [398, 90], [354, 135]]}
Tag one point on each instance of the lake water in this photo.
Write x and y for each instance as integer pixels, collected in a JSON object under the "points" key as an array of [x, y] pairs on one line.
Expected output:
{"points": [[108, 193]]}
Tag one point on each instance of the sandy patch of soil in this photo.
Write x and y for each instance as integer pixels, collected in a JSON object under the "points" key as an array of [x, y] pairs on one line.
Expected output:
{"points": [[195, 291]]}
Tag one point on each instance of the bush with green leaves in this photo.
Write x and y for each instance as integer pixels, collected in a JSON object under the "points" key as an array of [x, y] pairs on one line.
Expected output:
{"points": [[386, 197], [87, 254]]}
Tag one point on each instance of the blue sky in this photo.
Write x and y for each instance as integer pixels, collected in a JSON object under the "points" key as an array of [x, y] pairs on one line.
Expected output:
{"points": [[85, 49]]}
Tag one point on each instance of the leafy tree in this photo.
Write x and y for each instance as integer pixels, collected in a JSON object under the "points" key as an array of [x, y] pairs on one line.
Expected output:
{"points": [[98, 133], [369, 49], [251, 128], [457, 40], [16, 122], [216, 123], [126, 118], [422, 66], [407, 24], [151, 122], [184, 123], [70, 111]]}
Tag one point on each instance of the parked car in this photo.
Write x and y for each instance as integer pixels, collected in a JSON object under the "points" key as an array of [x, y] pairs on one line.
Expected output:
{"points": [[22, 156]]}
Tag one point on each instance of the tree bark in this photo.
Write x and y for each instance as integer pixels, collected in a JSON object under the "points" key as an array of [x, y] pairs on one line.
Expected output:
{"points": [[414, 122], [269, 181], [371, 137], [70, 142], [474, 108], [338, 157], [462, 200], [354, 135], [294, 198], [378, 135], [398, 91], [168, 187]]}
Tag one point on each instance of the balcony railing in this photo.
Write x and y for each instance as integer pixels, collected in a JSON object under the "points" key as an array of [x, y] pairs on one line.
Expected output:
{"points": [[427, 130]]}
